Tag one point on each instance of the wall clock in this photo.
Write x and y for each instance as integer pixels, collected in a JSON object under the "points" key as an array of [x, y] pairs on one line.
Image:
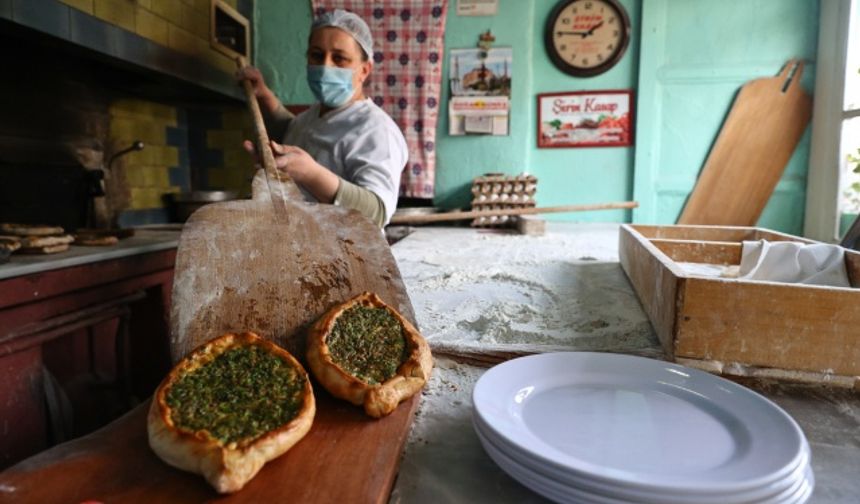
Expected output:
{"points": [[587, 37]]}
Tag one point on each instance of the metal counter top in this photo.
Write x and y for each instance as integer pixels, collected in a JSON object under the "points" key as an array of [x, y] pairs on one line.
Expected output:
{"points": [[143, 241]]}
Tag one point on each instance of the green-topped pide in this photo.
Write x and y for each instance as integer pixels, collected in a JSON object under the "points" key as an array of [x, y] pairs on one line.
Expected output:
{"points": [[240, 394], [368, 343]]}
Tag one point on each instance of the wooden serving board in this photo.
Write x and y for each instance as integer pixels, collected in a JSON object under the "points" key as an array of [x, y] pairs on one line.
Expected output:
{"points": [[242, 267], [758, 138], [346, 457]]}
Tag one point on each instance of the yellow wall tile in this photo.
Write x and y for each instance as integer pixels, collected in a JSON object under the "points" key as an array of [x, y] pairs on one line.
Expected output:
{"points": [[145, 197], [133, 176], [149, 176], [144, 110], [146, 4], [83, 5], [222, 62], [235, 118], [217, 178], [195, 21], [168, 156], [235, 159], [138, 158], [237, 179], [232, 3], [157, 177], [183, 40], [165, 114], [202, 47], [170, 10], [155, 197], [128, 130], [129, 107], [117, 12], [224, 139], [135, 201], [202, 5], [150, 26]]}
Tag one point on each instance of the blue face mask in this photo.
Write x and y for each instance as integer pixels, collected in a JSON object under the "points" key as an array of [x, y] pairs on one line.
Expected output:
{"points": [[332, 86]]}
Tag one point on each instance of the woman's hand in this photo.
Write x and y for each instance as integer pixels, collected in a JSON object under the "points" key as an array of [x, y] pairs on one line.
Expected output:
{"points": [[267, 99], [303, 169], [255, 77]]}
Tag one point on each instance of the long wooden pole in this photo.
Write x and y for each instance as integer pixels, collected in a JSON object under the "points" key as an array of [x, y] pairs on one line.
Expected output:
{"points": [[473, 214], [264, 150]]}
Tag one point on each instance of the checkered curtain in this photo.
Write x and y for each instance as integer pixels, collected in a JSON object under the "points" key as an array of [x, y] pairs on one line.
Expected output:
{"points": [[405, 82]]}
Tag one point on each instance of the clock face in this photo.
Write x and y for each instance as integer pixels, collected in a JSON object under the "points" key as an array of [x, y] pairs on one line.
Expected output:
{"points": [[587, 37]]}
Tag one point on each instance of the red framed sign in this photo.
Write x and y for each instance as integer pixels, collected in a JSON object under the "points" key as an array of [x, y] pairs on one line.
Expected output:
{"points": [[585, 119]]}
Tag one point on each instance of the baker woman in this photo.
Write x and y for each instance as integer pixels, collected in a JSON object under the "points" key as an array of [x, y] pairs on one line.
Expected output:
{"points": [[344, 149]]}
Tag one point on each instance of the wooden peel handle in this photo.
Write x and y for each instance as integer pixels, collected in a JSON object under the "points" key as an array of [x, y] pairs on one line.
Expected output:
{"points": [[473, 214], [260, 134]]}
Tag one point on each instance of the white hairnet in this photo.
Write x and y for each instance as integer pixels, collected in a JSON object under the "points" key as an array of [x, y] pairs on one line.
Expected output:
{"points": [[350, 23]]}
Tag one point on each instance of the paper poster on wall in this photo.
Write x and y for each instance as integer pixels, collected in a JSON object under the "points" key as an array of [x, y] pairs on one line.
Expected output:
{"points": [[585, 119], [480, 85], [477, 7], [480, 115]]}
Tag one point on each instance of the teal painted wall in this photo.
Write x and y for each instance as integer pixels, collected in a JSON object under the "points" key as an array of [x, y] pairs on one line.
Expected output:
{"points": [[583, 175], [699, 33], [695, 57], [462, 158], [565, 176], [281, 29]]}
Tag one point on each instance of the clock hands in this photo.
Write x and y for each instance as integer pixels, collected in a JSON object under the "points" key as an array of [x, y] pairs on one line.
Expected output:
{"points": [[572, 33], [591, 30], [583, 34]]}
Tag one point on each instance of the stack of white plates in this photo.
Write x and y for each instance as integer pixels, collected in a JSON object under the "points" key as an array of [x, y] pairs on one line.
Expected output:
{"points": [[604, 428]]}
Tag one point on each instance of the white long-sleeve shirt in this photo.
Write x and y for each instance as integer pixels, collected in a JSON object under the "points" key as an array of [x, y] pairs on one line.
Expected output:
{"points": [[359, 143]]}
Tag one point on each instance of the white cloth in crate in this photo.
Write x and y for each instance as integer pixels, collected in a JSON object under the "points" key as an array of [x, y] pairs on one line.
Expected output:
{"points": [[794, 262]]}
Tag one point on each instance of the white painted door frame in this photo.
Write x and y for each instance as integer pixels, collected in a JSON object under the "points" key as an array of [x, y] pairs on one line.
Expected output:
{"points": [[821, 220]]}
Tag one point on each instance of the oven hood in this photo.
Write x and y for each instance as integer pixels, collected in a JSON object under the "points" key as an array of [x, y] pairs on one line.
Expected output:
{"points": [[141, 65]]}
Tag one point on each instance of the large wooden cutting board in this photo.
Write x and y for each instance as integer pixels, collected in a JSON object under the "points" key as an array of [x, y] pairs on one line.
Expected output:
{"points": [[241, 267], [346, 457], [757, 140]]}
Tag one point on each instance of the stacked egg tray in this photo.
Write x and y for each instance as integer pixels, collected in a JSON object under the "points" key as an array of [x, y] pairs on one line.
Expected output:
{"points": [[501, 192]]}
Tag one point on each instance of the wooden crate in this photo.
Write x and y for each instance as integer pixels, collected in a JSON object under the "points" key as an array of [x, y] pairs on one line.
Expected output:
{"points": [[736, 326]]}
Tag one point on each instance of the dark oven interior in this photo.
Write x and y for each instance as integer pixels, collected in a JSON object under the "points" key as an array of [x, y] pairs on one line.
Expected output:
{"points": [[47, 194]]}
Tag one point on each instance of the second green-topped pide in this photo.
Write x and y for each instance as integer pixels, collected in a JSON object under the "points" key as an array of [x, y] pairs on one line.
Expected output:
{"points": [[241, 394], [368, 343]]}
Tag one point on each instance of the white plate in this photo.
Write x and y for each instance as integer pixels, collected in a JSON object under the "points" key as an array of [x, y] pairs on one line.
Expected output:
{"points": [[797, 490], [541, 485], [773, 492], [638, 422]]}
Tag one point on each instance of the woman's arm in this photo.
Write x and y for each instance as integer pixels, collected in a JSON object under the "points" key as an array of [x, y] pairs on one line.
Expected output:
{"points": [[275, 115], [301, 167], [366, 202]]}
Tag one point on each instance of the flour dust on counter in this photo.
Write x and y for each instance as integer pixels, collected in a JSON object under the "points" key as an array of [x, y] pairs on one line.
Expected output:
{"points": [[563, 290], [443, 455]]}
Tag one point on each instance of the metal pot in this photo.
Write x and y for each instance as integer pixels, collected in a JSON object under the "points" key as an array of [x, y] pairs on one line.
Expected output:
{"points": [[185, 204]]}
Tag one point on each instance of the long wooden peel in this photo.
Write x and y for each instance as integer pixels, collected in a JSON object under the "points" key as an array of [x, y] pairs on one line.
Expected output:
{"points": [[755, 143], [240, 267], [274, 178], [474, 214]]}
